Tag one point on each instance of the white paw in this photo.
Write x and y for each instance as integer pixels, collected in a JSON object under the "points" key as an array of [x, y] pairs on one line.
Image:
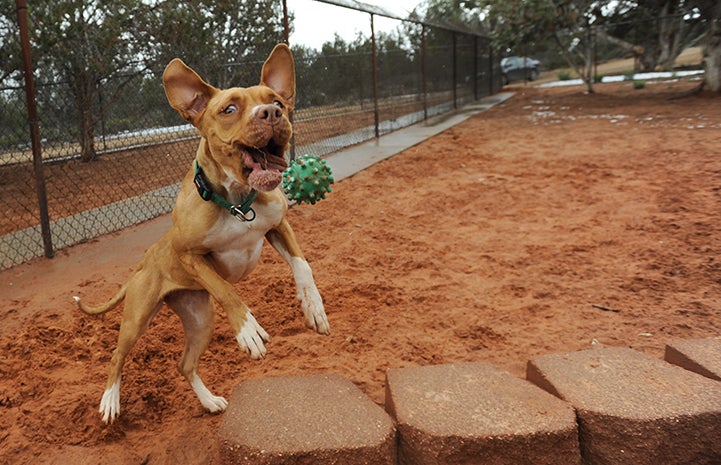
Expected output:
{"points": [[110, 403], [310, 300], [252, 337], [312, 305], [215, 404], [212, 403]]}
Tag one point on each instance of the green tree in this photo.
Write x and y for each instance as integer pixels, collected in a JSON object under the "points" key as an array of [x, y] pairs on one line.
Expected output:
{"points": [[219, 38], [91, 48], [455, 14], [398, 65], [654, 31], [249, 31], [81, 44], [10, 62]]}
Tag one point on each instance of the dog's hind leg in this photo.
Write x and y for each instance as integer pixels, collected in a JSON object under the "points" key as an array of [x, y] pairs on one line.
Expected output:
{"points": [[196, 312], [140, 308]]}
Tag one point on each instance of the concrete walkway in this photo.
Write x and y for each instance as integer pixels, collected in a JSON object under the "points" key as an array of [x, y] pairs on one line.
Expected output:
{"points": [[354, 159]]}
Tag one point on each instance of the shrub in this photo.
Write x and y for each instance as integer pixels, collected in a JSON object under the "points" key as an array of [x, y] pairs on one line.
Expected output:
{"points": [[563, 75], [639, 84]]}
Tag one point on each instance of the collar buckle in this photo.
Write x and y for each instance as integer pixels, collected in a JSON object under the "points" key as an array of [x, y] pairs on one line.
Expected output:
{"points": [[201, 184], [238, 214]]}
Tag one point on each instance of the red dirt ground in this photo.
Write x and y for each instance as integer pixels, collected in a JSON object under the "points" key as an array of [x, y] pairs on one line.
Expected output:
{"points": [[490, 242]]}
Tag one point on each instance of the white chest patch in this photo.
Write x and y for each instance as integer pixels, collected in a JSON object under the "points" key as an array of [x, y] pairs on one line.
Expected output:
{"points": [[230, 181], [236, 245]]}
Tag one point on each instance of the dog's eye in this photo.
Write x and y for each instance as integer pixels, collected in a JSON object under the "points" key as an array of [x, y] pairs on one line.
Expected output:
{"points": [[230, 109], [277, 104]]}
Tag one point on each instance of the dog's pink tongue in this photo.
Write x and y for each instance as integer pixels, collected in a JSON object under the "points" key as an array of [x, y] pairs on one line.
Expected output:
{"points": [[265, 180], [259, 178]]}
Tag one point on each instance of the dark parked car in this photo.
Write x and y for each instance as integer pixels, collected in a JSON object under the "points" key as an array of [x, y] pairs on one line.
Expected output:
{"points": [[517, 68]]}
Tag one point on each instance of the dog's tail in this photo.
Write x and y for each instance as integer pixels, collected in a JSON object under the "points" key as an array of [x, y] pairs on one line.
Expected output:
{"points": [[109, 305]]}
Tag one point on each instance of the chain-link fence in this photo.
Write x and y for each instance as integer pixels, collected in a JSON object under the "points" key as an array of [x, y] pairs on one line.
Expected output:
{"points": [[140, 150]]}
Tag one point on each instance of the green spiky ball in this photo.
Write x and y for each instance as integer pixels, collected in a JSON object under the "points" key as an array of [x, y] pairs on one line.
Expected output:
{"points": [[307, 179]]}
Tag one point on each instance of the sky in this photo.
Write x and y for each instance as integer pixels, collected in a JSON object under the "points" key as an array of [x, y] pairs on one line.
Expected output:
{"points": [[316, 22]]}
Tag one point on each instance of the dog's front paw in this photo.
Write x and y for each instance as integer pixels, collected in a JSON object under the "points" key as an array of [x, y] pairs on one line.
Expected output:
{"points": [[252, 337], [310, 300], [312, 305], [110, 404]]}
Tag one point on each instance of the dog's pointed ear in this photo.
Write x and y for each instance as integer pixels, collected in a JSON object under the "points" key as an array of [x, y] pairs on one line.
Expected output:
{"points": [[186, 91], [279, 73]]}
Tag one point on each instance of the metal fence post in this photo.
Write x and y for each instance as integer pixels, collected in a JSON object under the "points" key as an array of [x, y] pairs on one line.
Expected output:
{"points": [[491, 87], [286, 23], [424, 71], [475, 68], [376, 116], [454, 73], [286, 39], [22, 10], [589, 59]]}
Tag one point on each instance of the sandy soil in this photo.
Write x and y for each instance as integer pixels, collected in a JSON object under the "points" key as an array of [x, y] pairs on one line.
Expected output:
{"points": [[490, 242]]}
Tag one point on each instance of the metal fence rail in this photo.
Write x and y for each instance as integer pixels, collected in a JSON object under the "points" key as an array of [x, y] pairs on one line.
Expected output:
{"points": [[143, 150]]}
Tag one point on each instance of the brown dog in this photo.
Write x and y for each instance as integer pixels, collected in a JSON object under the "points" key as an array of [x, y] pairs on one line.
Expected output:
{"points": [[229, 201]]}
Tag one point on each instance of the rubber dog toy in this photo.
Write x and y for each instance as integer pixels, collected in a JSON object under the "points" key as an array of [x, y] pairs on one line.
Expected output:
{"points": [[307, 179]]}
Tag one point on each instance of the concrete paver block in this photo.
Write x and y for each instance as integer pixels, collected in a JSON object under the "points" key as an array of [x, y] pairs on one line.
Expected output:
{"points": [[702, 356], [319, 419], [633, 408], [475, 413]]}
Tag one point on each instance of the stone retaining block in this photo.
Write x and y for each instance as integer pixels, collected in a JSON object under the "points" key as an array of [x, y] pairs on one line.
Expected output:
{"points": [[475, 413], [320, 419], [702, 356], [633, 408]]}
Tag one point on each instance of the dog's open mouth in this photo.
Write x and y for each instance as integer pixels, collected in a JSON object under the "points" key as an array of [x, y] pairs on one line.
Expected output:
{"points": [[264, 168]]}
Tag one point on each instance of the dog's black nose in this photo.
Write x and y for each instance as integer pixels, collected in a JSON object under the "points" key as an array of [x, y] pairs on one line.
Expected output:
{"points": [[269, 113]]}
